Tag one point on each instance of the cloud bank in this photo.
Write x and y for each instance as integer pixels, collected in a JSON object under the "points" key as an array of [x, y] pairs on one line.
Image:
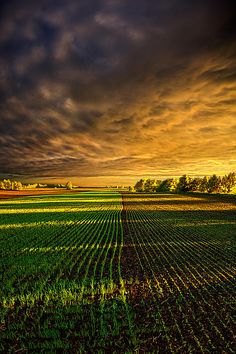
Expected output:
{"points": [[114, 89]]}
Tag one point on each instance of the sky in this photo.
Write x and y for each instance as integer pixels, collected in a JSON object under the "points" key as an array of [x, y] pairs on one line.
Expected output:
{"points": [[109, 91]]}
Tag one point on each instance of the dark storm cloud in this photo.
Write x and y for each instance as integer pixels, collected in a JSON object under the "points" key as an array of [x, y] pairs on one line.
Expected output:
{"points": [[96, 88]]}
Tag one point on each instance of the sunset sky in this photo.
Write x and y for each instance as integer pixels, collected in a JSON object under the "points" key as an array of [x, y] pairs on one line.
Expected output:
{"points": [[108, 91]]}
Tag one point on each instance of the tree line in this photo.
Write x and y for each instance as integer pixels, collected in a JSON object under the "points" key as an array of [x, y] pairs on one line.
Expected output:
{"points": [[8, 184], [212, 184], [11, 185]]}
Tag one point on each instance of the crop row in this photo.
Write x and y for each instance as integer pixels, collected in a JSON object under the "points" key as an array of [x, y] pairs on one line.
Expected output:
{"points": [[91, 272], [189, 286], [62, 265]]}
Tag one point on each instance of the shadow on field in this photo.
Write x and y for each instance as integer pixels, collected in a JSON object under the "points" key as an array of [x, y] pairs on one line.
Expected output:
{"points": [[64, 292], [162, 239], [111, 322], [193, 217], [173, 197]]}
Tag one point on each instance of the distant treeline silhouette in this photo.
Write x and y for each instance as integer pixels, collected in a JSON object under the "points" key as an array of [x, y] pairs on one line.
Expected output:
{"points": [[8, 184], [212, 184]]}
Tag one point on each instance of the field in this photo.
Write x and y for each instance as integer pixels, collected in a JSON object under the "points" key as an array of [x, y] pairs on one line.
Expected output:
{"points": [[118, 272], [36, 191]]}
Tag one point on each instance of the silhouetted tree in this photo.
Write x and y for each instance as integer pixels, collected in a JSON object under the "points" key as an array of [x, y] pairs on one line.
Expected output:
{"points": [[131, 189], [228, 182], [69, 185], [184, 184], [140, 185], [7, 184], [2, 186], [195, 184], [214, 184], [168, 185], [203, 184], [150, 185], [16, 185]]}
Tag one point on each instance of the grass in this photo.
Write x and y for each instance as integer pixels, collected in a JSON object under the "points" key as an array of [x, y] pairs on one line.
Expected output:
{"points": [[111, 272]]}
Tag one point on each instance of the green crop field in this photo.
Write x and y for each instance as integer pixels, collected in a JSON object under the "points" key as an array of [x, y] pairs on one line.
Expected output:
{"points": [[118, 272]]}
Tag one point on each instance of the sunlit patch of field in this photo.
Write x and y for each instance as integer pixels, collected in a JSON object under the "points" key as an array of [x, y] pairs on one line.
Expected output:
{"points": [[60, 257], [8, 194], [101, 271]]}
